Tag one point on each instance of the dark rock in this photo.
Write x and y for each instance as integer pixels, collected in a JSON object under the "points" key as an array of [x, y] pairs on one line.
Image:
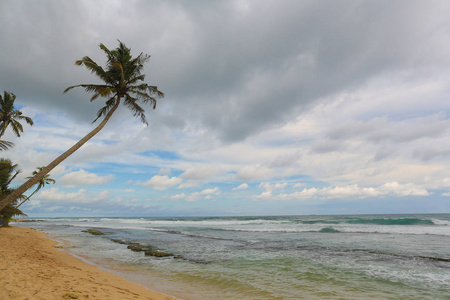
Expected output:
{"points": [[157, 253], [93, 231], [436, 258], [139, 248], [136, 248], [119, 241]]}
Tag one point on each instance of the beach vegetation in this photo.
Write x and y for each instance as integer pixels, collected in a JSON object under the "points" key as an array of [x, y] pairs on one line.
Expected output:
{"points": [[123, 83], [8, 171]]}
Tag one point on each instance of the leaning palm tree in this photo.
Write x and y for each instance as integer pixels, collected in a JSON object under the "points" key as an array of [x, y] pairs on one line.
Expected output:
{"points": [[45, 180], [123, 83], [9, 116]]}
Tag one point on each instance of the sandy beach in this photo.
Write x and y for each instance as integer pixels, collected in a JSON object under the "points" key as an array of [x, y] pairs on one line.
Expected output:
{"points": [[31, 267]]}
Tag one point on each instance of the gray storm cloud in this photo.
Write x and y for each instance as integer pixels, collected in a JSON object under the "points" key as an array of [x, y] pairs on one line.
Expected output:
{"points": [[230, 68]]}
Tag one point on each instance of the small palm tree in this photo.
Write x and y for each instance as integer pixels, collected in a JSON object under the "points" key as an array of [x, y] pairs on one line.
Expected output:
{"points": [[123, 83], [8, 171], [9, 116], [45, 180]]}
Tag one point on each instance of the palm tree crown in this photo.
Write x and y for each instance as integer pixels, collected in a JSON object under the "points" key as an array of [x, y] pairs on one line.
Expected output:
{"points": [[45, 180], [123, 79], [9, 116], [41, 183]]}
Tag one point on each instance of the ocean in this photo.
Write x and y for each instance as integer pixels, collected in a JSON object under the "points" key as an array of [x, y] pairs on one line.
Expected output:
{"points": [[269, 257]]}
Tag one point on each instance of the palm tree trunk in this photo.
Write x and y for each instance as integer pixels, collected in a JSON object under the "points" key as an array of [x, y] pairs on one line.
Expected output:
{"points": [[28, 197], [36, 178]]}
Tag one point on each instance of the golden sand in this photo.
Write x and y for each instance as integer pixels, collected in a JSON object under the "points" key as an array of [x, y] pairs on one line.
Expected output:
{"points": [[31, 267]]}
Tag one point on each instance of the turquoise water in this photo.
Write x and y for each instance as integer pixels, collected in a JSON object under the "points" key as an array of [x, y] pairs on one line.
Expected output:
{"points": [[286, 257]]}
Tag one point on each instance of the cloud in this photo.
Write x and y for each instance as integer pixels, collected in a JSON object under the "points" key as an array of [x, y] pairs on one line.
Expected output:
{"points": [[253, 172], [83, 177], [161, 183], [241, 187], [401, 190], [214, 191], [284, 49], [270, 187], [207, 194], [304, 194], [178, 196], [427, 153], [56, 196], [199, 172], [393, 189], [164, 171]]}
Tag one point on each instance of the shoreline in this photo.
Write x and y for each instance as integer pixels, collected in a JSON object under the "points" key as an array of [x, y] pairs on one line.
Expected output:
{"points": [[32, 267]]}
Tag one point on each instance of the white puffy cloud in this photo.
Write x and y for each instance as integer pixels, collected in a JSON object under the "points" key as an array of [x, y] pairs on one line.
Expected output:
{"points": [[161, 183], [401, 190], [302, 195], [205, 194], [241, 187], [214, 191], [393, 189], [82, 177], [58, 197], [179, 196], [270, 188]]}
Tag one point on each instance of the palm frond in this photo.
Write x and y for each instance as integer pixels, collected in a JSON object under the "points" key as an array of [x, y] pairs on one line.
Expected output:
{"points": [[105, 109], [5, 145], [145, 98], [28, 120], [101, 89], [92, 66], [135, 79], [16, 127], [106, 50], [138, 111]]}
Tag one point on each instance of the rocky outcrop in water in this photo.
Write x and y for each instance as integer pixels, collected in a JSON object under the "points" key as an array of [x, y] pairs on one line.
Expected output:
{"points": [[157, 253], [93, 231], [139, 248], [152, 251]]}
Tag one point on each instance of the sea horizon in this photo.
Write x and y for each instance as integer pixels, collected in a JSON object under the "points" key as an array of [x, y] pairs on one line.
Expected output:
{"points": [[20, 217]]}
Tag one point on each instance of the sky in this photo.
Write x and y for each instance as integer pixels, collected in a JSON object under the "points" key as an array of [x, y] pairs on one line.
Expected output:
{"points": [[271, 107]]}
